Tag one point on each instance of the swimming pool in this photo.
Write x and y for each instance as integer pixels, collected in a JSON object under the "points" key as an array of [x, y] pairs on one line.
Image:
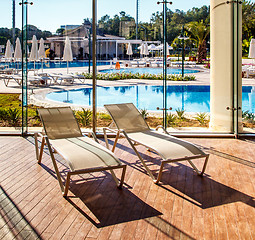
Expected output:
{"points": [[55, 64], [150, 70], [189, 98]]}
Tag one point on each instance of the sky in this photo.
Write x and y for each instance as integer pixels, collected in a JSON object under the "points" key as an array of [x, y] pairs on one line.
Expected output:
{"points": [[51, 14]]}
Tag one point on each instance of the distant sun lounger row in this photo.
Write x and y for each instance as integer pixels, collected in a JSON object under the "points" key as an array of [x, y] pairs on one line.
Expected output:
{"points": [[157, 63], [41, 79]]}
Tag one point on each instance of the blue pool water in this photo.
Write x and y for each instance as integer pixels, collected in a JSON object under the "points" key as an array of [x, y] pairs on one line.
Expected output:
{"points": [[54, 64], [150, 70], [189, 98]]}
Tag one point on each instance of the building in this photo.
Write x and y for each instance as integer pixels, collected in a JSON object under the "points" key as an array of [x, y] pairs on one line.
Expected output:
{"points": [[108, 46]]}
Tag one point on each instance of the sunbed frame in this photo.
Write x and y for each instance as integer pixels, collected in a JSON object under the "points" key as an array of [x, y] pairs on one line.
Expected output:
{"points": [[47, 141], [134, 141]]}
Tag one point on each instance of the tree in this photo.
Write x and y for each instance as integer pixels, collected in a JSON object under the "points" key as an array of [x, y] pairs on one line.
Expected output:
{"points": [[199, 31], [248, 19], [60, 31]]}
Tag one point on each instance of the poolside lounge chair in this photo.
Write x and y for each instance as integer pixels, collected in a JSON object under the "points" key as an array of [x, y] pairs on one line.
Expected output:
{"points": [[250, 71], [82, 154], [130, 122], [58, 78]]}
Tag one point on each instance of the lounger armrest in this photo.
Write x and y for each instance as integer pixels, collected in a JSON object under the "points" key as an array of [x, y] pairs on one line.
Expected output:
{"points": [[160, 126]]}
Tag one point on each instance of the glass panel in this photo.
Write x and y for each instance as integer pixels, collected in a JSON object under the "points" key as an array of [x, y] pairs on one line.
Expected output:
{"points": [[24, 67], [248, 76], [190, 101], [10, 76]]}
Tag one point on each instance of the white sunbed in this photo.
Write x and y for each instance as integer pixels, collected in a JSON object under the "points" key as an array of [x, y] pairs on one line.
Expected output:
{"points": [[82, 154], [132, 125], [59, 78]]}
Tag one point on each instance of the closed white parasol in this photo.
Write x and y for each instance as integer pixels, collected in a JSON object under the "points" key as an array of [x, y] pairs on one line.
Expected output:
{"points": [[34, 51], [129, 50], [145, 49], [68, 54], [18, 52], [41, 52], [8, 50]]}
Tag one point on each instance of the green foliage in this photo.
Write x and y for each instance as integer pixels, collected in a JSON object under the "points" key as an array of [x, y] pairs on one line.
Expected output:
{"points": [[9, 100], [202, 118], [199, 31], [125, 75], [144, 113], [171, 119], [3, 114], [180, 114], [60, 31], [13, 116], [248, 116], [111, 26], [105, 116], [246, 46], [248, 19], [84, 117]]}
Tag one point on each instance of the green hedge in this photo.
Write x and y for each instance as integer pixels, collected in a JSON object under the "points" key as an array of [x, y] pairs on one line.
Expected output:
{"points": [[125, 75]]}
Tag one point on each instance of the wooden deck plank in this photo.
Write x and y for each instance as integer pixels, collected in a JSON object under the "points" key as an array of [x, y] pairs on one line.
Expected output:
{"points": [[184, 206]]}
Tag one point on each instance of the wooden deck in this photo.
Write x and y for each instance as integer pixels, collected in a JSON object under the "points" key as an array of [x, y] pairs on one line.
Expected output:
{"points": [[184, 206]]}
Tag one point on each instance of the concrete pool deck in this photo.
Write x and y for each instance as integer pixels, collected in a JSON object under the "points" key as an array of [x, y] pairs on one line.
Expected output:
{"points": [[37, 94]]}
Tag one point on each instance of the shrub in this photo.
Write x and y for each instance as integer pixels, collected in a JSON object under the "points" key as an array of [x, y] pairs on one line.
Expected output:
{"points": [[249, 117], [202, 118], [84, 117], [105, 116], [13, 116], [129, 75], [3, 114], [171, 119], [180, 114], [144, 113]]}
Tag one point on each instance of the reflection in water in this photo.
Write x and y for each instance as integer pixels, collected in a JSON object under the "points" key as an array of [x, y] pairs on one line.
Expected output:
{"points": [[188, 98]]}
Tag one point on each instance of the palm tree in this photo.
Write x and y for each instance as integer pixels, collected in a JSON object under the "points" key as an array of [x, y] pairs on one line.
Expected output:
{"points": [[198, 31]]}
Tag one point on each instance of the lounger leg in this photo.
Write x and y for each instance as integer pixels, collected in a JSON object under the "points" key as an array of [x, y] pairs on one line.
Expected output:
{"points": [[41, 150], [122, 176], [105, 138], [119, 183], [194, 166], [116, 140], [55, 165], [67, 184], [139, 156], [205, 164], [36, 145], [204, 167], [114, 177], [160, 173]]}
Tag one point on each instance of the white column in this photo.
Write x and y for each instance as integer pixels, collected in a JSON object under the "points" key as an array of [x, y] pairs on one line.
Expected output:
{"points": [[223, 67]]}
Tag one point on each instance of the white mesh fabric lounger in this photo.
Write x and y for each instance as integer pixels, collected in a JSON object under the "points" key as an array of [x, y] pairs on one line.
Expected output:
{"points": [[82, 154], [130, 122]]}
